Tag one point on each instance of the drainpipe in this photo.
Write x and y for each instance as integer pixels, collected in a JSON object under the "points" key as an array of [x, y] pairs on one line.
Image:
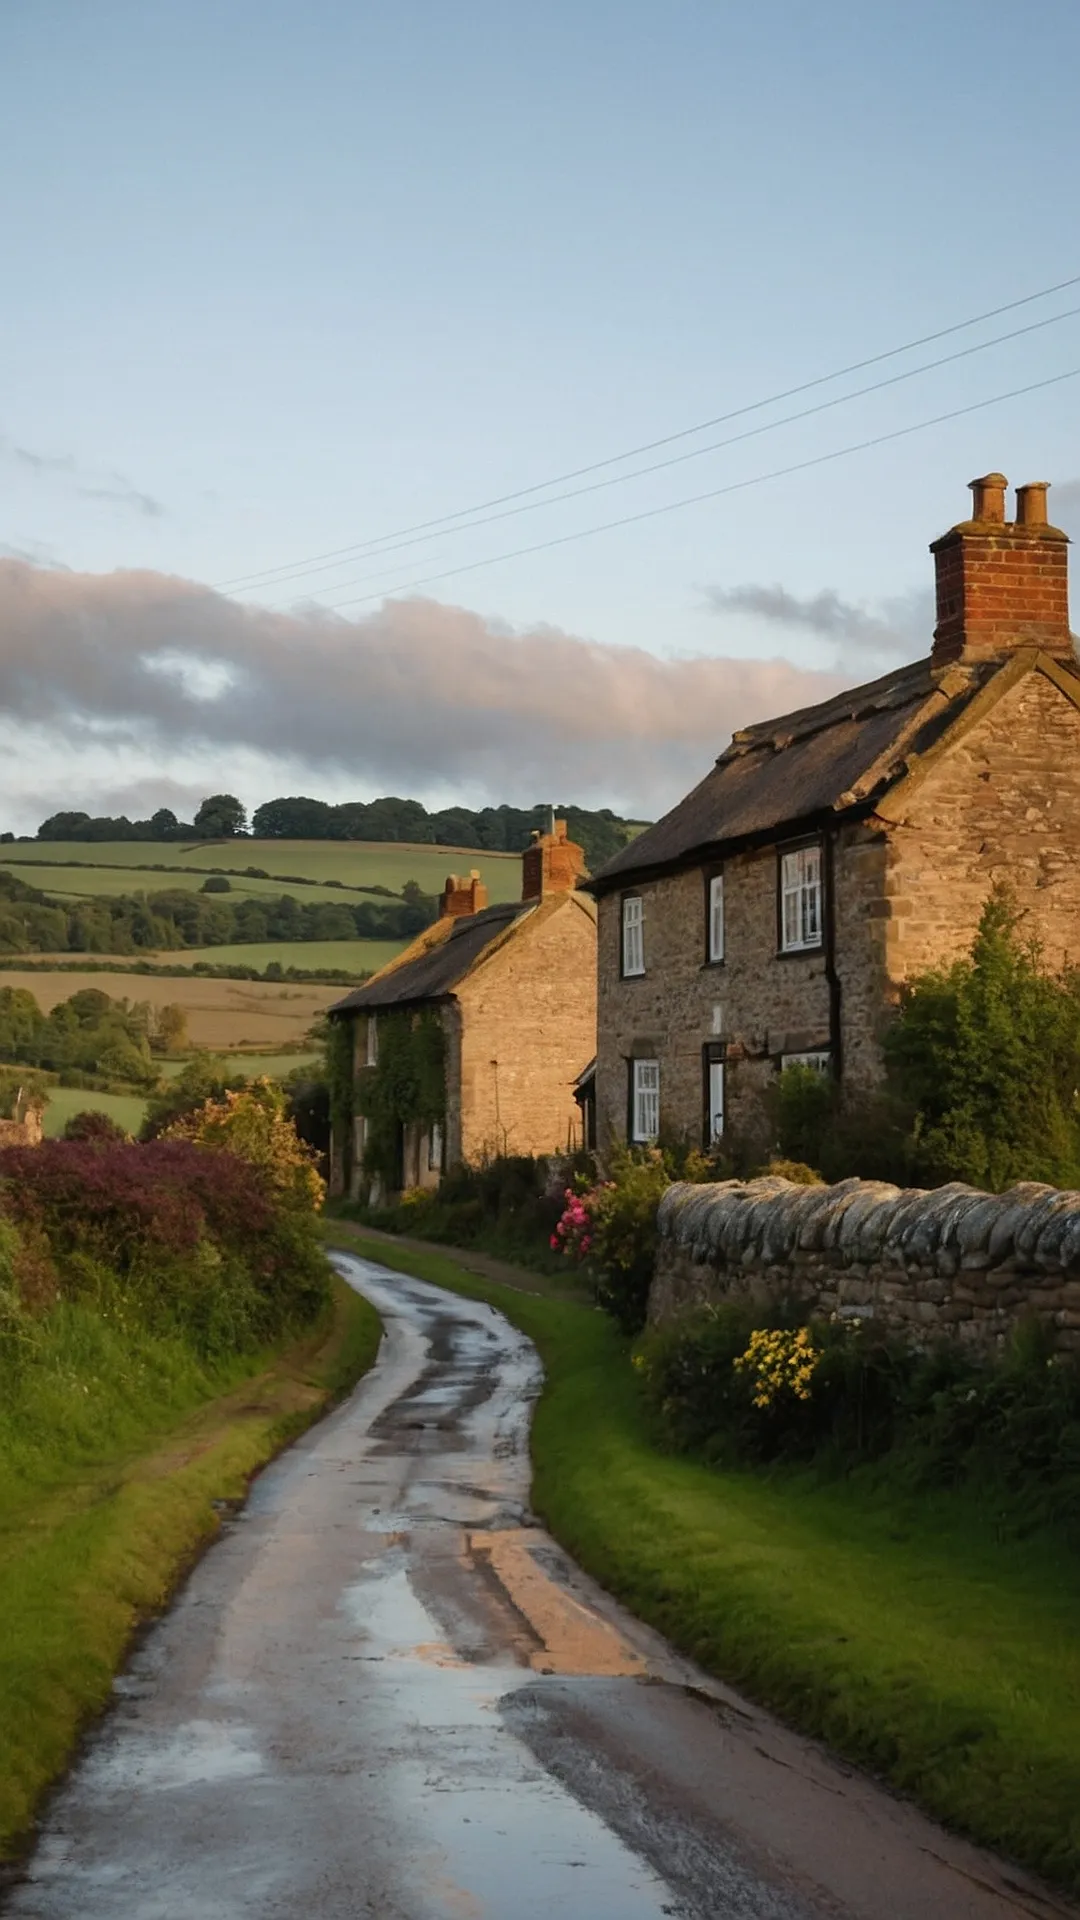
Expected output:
{"points": [[831, 975]]}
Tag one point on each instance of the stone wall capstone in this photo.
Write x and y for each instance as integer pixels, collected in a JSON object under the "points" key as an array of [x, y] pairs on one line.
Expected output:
{"points": [[949, 1263]]}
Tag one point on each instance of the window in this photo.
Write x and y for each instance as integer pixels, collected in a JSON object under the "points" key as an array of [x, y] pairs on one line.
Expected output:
{"points": [[801, 915], [713, 1091], [714, 935], [633, 934], [820, 1060], [372, 1040], [435, 1147], [644, 1101]]}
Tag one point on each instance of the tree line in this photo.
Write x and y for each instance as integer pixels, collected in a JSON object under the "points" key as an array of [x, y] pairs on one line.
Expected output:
{"points": [[90, 1033], [501, 829], [175, 918]]}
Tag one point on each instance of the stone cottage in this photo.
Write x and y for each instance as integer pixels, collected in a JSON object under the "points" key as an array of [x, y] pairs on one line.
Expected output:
{"points": [[513, 989], [771, 916]]}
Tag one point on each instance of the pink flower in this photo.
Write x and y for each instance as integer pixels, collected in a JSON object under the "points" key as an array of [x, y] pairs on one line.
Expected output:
{"points": [[555, 1241]]}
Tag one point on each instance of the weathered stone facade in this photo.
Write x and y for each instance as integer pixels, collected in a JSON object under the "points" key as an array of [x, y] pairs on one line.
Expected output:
{"points": [[921, 793], [952, 1264]]}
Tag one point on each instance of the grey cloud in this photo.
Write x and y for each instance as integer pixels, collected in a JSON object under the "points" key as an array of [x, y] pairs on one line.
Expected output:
{"points": [[87, 483], [901, 626], [415, 696]]}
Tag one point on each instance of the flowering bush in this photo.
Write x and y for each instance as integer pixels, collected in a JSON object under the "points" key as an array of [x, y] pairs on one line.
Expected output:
{"points": [[779, 1362], [575, 1228], [194, 1239], [252, 1124]]}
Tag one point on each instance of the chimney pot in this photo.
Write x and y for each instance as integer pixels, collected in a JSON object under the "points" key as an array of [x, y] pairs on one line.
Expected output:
{"points": [[1031, 504], [988, 501]]}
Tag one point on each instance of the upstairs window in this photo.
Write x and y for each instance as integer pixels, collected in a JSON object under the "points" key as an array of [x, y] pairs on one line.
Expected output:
{"points": [[820, 1060], [372, 1040], [633, 934], [644, 1101], [801, 905], [714, 933]]}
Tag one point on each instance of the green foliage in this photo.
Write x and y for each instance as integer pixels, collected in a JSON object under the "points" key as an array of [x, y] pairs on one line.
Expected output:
{"points": [[88, 1034], [220, 817], [623, 1248], [338, 1039], [492, 829], [406, 1088], [987, 1055], [216, 883], [208, 1077]]}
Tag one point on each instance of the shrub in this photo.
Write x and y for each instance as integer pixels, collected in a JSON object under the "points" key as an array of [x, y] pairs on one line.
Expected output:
{"points": [[252, 1124], [612, 1228], [216, 883], [93, 1125]]}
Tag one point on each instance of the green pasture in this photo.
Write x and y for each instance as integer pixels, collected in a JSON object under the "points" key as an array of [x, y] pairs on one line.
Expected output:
{"points": [[274, 1065], [127, 1109], [80, 882], [356, 863], [349, 956]]}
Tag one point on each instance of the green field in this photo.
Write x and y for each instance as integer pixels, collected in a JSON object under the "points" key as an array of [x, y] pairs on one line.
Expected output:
{"points": [[349, 956], [127, 1109], [275, 1065], [79, 882], [355, 863]]}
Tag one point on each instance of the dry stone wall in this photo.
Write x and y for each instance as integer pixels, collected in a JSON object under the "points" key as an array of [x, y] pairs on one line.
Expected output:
{"points": [[952, 1263]]}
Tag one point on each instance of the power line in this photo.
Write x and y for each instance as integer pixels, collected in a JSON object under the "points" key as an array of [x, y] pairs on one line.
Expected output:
{"points": [[696, 453], [714, 493], [650, 446]]}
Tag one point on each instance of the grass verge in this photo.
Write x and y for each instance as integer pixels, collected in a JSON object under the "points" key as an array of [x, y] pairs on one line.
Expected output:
{"points": [[911, 1635], [97, 1531]]}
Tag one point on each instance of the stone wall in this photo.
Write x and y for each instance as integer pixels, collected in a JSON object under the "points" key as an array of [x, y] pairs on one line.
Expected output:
{"points": [[527, 1028], [1002, 805], [952, 1263]]}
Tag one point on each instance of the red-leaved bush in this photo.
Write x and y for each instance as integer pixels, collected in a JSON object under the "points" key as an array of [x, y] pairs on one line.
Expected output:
{"points": [[196, 1238]]}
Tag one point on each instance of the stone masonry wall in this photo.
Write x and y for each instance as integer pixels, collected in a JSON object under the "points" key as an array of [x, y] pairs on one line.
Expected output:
{"points": [[1004, 804], [528, 1027], [760, 1003], [953, 1263]]}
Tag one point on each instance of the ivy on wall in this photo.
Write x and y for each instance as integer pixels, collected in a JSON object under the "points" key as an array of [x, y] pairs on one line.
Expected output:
{"points": [[406, 1088], [338, 1046]]}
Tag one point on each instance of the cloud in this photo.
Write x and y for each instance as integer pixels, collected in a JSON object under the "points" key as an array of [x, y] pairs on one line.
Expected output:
{"points": [[88, 483], [417, 697], [902, 626]]}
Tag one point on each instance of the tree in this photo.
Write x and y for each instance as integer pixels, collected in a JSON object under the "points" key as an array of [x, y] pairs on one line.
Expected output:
{"points": [[170, 1029], [221, 817], [987, 1054], [163, 823], [254, 1125], [296, 818]]}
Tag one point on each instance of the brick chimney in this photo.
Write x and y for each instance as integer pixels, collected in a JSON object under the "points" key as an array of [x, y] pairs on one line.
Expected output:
{"points": [[463, 897], [1001, 584], [553, 864]]}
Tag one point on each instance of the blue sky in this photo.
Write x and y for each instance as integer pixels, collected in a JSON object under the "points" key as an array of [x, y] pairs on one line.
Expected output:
{"points": [[283, 278]]}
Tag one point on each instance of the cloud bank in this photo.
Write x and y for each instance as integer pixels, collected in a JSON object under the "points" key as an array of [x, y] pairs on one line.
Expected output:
{"points": [[415, 698]]}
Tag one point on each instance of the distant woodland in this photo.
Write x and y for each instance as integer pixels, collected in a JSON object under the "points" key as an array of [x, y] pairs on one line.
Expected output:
{"points": [[221, 817], [30, 922]]}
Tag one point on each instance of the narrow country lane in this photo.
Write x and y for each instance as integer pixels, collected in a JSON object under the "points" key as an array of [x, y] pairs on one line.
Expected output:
{"points": [[386, 1692]]}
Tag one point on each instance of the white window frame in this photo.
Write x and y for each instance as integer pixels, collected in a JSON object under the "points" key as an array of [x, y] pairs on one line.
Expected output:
{"points": [[716, 918], [802, 899], [644, 1102], [715, 1083], [819, 1058], [633, 936], [372, 1054], [435, 1147]]}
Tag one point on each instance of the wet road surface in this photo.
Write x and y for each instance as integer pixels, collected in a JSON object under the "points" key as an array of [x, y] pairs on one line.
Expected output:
{"points": [[387, 1692]]}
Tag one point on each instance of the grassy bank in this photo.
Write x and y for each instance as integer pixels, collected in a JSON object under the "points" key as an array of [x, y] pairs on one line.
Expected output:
{"points": [[913, 1635], [114, 1450]]}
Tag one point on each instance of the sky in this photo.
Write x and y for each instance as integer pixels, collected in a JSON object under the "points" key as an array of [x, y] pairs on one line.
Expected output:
{"points": [[289, 280]]}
